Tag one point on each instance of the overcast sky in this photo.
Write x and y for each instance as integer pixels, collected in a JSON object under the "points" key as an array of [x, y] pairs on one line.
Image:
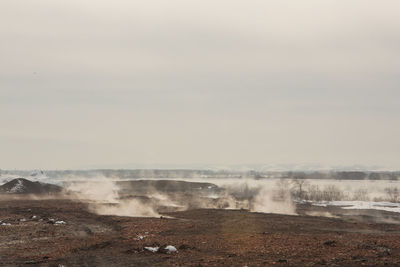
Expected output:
{"points": [[94, 83]]}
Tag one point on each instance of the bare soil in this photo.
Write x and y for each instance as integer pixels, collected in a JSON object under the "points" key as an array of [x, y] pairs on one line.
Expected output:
{"points": [[203, 237]]}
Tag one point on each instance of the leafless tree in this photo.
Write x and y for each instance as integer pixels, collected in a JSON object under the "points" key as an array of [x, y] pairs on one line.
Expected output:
{"points": [[393, 194], [298, 187], [361, 194], [332, 193], [283, 189], [314, 193]]}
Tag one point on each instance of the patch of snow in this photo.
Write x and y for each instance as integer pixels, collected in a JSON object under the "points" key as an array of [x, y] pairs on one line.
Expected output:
{"points": [[362, 205], [60, 222], [6, 224], [140, 237], [170, 249], [152, 249], [320, 204], [22, 220], [18, 187], [301, 201]]}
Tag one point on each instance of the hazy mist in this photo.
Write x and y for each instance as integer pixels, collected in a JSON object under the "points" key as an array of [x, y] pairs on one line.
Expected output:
{"points": [[124, 83]]}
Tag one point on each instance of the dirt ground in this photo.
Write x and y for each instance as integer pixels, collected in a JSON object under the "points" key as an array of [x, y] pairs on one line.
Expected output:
{"points": [[202, 237]]}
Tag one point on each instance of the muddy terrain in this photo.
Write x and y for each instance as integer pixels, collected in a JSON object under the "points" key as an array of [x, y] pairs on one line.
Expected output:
{"points": [[61, 232]]}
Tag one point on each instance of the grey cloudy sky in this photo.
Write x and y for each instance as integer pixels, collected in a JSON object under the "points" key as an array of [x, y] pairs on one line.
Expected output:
{"points": [[87, 83]]}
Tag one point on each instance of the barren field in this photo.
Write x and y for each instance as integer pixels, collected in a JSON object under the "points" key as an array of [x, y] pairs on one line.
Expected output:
{"points": [[57, 232]]}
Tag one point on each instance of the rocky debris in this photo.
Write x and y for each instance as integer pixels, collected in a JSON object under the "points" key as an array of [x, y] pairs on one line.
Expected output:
{"points": [[24, 186], [56, 222], [204, 237], [140, 237], [381, 250], [185, 246], [384, 250], [166, 249], [330, 243]]}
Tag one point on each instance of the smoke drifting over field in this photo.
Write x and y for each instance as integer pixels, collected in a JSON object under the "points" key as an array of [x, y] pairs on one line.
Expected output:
{"points": [[103, 197], [149, 197], [133, 193]]}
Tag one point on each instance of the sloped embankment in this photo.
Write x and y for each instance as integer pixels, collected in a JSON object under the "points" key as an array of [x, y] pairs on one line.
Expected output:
{"points": [[24, 186]]}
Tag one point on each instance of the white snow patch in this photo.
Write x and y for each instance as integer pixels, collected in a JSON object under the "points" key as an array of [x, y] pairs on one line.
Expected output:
{"points": [[6, 224], [19, 187], [60, 222], [362, 205], [171, 249], [213, 196], [152, 249]]}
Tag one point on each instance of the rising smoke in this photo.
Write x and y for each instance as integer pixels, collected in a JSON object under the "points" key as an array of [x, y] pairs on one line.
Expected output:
{"points": [[132, 198], [150, 198]]}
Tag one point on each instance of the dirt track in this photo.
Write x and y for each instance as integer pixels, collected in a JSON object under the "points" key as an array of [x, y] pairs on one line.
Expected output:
{"points": [[202, 237]]}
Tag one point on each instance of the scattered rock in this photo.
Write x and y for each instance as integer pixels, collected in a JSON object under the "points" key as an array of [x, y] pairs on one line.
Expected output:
{"points": [[185, 246], [384, 250], [34, 262], [330, 243], [87, 230]]}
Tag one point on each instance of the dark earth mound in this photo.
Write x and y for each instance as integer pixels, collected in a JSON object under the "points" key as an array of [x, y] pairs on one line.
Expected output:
{"points": [[24, 186], [164, 186]]}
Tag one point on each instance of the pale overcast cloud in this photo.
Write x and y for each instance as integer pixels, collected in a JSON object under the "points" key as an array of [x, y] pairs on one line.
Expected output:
{"points": [[120, 83]]}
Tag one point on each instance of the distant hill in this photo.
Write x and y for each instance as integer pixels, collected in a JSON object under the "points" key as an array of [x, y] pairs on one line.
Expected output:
{"points": [[126, 174], [24, 186]]}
